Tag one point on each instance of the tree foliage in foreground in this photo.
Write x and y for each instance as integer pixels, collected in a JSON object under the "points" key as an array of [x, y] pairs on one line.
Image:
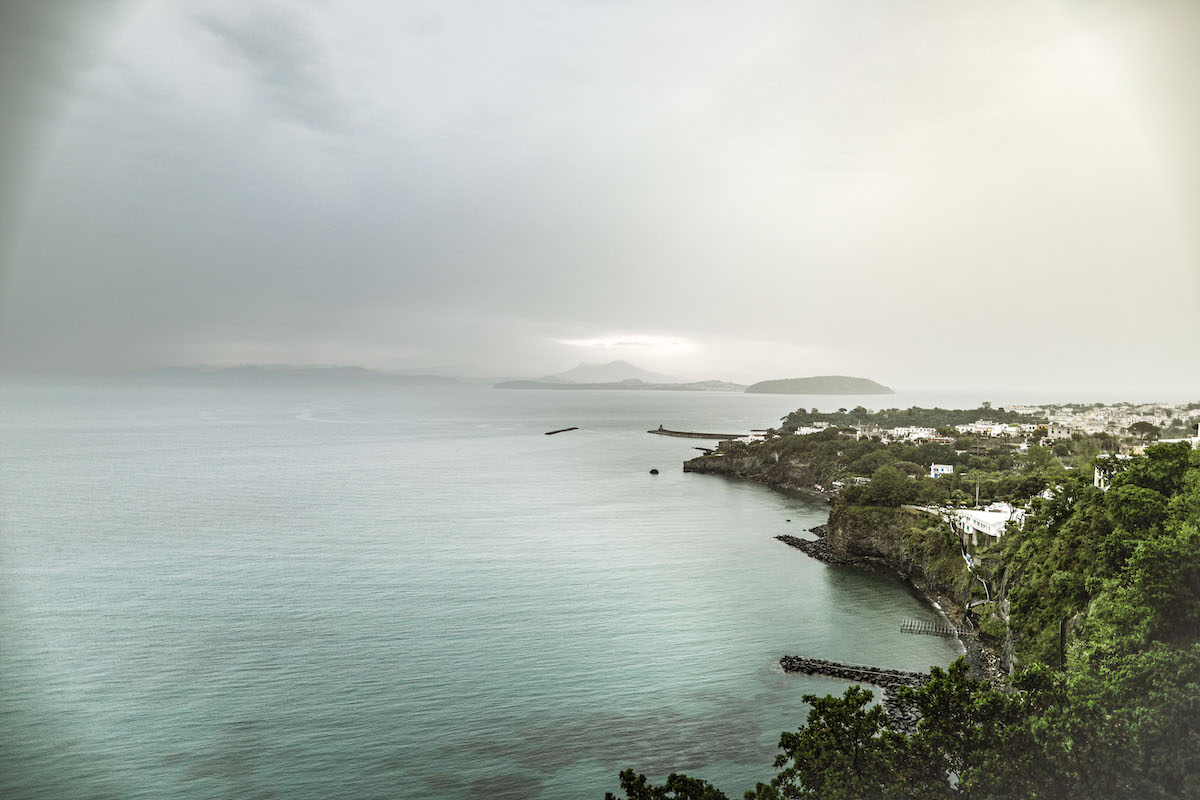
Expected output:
{"points": [[1117, 715]]}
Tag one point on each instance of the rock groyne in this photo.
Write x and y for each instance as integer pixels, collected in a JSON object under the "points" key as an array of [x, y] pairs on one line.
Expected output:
{"points": [[816, 548], [901, 716], [696, 434]]}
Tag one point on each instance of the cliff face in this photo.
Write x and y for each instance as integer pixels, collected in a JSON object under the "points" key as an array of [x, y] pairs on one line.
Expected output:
{"points": [[911, 544], [764, 468], [915, 546]]}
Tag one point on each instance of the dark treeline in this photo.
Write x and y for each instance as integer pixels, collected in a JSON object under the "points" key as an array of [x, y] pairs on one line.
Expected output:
{"points": [[905, 417], [1105, 703]]}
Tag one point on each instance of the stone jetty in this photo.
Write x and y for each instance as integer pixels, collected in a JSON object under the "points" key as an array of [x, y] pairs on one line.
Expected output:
{"points": [[817, 548], [661, 431], [902, 717]]}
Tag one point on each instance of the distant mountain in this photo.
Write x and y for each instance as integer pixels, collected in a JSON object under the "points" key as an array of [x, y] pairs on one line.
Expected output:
{"points": [[822, 384], [611, 372], [632, 383], [254, 374]]}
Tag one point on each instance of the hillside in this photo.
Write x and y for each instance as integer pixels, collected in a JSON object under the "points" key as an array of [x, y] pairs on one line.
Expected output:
{"points": [[630, 384], [821, 384], [611, 372]]}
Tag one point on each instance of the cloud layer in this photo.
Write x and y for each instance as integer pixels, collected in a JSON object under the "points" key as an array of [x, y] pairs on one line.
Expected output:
{"points": [[926, 193]]}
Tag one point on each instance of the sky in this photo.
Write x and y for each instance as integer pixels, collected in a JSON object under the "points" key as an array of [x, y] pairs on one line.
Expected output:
{"points": [[933, 193]]}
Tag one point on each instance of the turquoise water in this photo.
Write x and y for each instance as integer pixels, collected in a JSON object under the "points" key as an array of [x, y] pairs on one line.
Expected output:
{"points": [[306, 592]]}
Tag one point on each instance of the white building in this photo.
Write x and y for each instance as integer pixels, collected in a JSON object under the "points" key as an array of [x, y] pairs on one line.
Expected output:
{"points": [[1107, 465], [912, 433], [985, 427], [806, 430], [1056, 432], [938, 470], [981, 427], [989, 523]]}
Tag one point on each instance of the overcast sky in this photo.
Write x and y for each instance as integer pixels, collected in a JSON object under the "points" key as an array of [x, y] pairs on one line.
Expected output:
{"points": [[927, 193]]}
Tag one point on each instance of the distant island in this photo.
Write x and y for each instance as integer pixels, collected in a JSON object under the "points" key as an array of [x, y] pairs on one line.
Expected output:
{"points": [[630, 384], [822, 384], [612, 372]]}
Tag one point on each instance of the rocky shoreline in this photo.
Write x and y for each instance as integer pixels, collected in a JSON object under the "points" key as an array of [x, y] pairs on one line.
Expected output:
{"points": [[817, 548], [981, 656], [860, 541], [901, 716]]}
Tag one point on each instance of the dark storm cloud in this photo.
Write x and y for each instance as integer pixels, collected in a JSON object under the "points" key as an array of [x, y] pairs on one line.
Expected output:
{"points": [[956, 192]]}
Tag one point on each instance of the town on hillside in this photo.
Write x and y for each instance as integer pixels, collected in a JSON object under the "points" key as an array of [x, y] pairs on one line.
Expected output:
{"points": [[979, 470]]}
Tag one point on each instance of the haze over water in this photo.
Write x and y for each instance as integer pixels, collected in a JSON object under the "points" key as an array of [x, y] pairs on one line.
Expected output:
{"points": [[313, 591]]}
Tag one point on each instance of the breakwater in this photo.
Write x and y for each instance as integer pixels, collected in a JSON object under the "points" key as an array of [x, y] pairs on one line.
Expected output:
{"points": [[902, 716], [661, 431], [816, 548]]}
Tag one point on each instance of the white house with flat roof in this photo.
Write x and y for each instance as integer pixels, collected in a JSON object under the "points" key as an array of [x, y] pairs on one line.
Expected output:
{"points": [[911, 433], [1055, 433], [938, 470], [990, 523]]}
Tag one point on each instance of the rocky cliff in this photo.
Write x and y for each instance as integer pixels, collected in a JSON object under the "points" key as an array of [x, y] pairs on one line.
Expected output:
{"points": [[913, 545], [763, 467]]}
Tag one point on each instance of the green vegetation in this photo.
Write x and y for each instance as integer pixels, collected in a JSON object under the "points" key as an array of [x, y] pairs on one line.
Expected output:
{"points": [[997, 470], [905, 417], [1105, 622]]}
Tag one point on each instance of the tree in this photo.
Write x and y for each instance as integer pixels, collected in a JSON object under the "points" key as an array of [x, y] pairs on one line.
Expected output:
{"points": [[844, 752], [1040, 461], [677, 787], [1144, 430], [888, 487]]}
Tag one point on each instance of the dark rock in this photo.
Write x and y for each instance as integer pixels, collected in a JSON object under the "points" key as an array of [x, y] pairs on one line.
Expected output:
{"points": [[902, 717]]}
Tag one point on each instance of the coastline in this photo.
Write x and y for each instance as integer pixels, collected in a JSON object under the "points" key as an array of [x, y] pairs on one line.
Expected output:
{"points": [[981, 657]]}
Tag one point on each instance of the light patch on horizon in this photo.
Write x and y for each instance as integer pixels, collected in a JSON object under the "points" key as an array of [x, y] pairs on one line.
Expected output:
{"points": [[661, 344]]}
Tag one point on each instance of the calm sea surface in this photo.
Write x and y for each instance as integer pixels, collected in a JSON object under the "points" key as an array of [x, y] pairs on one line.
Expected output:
{"points": [[315, 591]]}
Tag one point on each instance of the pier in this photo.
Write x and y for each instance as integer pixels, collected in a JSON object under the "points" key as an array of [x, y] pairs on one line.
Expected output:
{"points": [[945, 629], [661, 431]]}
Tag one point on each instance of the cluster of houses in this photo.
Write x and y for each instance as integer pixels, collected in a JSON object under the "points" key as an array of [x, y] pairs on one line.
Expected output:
{"points": [[990, 522], [1052, 432], [1114, 419]]}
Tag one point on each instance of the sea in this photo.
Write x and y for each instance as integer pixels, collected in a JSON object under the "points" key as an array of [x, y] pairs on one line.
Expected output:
{"points": [[366, 591]]}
